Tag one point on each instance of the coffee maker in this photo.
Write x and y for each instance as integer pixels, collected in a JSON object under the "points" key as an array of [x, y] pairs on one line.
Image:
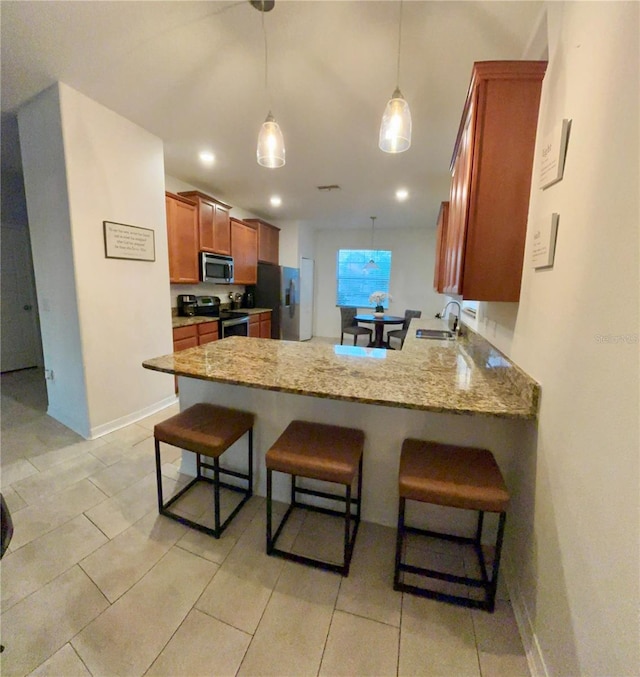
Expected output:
{"points": [[249, 298], [186, 305]]}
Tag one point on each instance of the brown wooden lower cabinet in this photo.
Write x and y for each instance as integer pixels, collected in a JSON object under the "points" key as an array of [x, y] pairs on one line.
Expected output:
{"points": [[207, 332], [265, 325], [194, 335], [185, 337], [260, 325], [254, 326]]}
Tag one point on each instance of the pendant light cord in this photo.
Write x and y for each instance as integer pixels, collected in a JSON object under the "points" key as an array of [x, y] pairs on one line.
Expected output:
{"points": [[399, 45], [373, 223], [266, 59]]}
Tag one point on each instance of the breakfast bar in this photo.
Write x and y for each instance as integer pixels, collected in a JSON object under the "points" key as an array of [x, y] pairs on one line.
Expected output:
{"points": [[460, 391]]}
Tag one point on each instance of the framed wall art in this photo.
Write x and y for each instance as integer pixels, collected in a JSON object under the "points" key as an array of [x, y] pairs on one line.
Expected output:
{"points": [[122, 241]]}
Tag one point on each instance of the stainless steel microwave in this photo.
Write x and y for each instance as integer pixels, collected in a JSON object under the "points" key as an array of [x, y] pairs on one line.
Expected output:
{"points": [[216, 268]]}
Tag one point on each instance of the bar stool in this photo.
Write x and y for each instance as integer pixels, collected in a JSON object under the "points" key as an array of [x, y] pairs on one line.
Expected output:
{"points": [[320, 452], [206, 430], [455, 477]]}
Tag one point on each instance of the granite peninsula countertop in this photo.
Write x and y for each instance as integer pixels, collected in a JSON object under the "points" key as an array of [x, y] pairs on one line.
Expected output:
{"points": [[178, 321], [462, 376]]}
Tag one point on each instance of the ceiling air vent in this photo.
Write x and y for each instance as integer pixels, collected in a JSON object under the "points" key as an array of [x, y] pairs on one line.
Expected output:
{"points": [[333, 186]]}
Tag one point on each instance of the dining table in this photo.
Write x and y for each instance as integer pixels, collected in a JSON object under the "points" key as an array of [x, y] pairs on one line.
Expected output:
{"points": [[379, 322]]}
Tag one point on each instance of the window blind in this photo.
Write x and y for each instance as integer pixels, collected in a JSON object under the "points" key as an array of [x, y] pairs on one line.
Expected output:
{"points": [[354, 283]]}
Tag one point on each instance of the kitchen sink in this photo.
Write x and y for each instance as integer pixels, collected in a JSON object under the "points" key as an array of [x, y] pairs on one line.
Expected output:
{"points": [[437, 334]]}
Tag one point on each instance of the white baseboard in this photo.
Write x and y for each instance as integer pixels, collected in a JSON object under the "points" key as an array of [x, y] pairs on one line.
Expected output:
{"points": [[123, 421], [535, 660]]}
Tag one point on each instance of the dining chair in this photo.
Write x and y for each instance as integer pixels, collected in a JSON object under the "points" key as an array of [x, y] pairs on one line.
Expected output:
{"points": [[350, 326], [401, 334]]}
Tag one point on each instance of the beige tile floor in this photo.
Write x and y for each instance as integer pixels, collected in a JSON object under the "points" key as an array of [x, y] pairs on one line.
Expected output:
{"points": [[96, 583]]}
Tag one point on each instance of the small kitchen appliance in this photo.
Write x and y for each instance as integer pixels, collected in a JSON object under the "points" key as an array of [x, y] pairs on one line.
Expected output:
{"points": [[249, 300], [216, 268], [186, 305], [207, 305], [235, 300]]}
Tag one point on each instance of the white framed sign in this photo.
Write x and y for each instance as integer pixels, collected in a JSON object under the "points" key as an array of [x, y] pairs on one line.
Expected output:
{"points": [[128, 242], [554, 151], [544, 241]]}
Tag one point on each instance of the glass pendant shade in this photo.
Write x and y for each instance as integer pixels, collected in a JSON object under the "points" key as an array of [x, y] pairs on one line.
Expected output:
{"points": [[270, 151], [395, 130]]}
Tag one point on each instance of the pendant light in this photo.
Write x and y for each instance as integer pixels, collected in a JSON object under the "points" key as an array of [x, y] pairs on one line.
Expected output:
{"points": [[270, 151], [395, 130], [372, 265]]}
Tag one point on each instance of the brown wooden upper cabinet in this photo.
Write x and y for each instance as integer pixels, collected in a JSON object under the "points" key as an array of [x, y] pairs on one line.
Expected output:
{"points": [[491, 180], [182, 236], [441, 243], [268, 241], [214, 228], [244, 249]]}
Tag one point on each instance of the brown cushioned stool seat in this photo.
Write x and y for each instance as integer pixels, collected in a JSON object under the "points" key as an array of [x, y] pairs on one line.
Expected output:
{"points": [[206, 430], [455, 477], [320, 452]]}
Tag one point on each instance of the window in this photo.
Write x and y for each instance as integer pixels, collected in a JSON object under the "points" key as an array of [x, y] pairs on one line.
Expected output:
{"points": [[355, 284], [470, 307]]}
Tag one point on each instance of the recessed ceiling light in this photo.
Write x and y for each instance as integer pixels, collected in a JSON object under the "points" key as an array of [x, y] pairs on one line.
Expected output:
{"points": [[276, 201], [402, 194], [207, 158]]}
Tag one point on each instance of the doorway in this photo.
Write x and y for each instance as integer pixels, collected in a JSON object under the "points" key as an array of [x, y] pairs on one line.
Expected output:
{"points": [[19, 330]]}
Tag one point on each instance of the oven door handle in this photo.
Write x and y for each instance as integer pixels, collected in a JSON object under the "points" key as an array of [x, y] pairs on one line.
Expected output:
{"points": [[232, 323]]}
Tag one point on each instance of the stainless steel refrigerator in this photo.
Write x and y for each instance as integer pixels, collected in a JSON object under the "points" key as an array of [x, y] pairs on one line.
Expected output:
{"points": [[278, 288]]}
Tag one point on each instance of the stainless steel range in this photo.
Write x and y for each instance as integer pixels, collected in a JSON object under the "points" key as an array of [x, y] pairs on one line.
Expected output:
{"points": [[233, 323]]}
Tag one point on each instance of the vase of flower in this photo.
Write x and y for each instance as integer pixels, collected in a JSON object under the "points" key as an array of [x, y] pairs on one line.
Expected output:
{"points": [[378, 298]]}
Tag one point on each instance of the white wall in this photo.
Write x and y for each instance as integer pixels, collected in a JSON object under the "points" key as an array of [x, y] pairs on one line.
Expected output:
{"points": [[575, 580], [306, 241], [412, 264], [289, 250], [101, 318], [46, 189]]}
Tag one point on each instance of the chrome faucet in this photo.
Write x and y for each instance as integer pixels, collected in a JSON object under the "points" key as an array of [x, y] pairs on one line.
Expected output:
{"points": [[441, 314]]}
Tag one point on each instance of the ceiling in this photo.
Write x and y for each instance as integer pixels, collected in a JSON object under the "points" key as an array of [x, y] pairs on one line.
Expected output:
{"points": [[192, 73]]}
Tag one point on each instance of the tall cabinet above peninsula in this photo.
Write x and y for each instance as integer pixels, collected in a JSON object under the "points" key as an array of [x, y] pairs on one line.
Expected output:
{"points": [[491, 167]]}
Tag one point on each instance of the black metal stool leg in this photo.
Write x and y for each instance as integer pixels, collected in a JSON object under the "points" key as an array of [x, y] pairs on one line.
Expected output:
{"points": [[250, 478], [347, 532], [491, 592], [399, 542], [158, 475], [216, 495], [269, 533], [359, 501]]}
